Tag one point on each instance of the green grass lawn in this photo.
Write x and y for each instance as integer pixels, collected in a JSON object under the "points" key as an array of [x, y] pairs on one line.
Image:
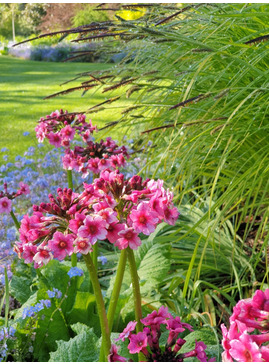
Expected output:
{"points": [[24, 84]]}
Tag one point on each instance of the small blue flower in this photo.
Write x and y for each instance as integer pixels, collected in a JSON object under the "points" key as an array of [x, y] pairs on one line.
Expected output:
{"points": [[75, 272], [26, 133], [102, 259], [28, 312], [4, 150], [51, 294], [45, 303], [54, 293], [38, 307]]}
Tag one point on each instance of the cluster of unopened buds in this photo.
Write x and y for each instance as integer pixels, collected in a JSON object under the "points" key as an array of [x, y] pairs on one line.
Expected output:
{"points": [[248, 336], [148, 340], [60, 128], [6, 197], [111, 208]]}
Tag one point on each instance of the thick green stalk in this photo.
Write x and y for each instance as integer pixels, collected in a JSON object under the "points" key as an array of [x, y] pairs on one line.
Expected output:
{"points": [[69, 179], [137, 295], [106, 344], [95, 255], [70, 185], [16, 222], [116, 289]]}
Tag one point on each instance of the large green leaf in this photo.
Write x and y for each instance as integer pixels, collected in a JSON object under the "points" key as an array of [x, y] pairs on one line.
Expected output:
{"points": [[20, 288], [83, 311], [82, 348]]}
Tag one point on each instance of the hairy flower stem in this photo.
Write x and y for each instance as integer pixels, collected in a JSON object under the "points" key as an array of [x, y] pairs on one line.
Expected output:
{"points": [[116, 289], [105, 347], [137, 295], [16, 222], [70, 185]]}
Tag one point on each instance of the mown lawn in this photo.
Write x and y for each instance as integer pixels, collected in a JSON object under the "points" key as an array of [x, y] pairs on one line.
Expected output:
{"points": [[24, 84]]}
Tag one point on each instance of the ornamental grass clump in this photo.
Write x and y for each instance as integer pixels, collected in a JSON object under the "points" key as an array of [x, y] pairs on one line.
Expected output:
{"points": [[148, 340], [248, 336]]}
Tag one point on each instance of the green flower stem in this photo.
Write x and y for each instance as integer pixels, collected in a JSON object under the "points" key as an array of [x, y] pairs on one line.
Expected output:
{"points": [[106, 344], [74, 260], [116, 289], [137, 295], [69, 179], [95, 255], [16, 222], [70, 185]]}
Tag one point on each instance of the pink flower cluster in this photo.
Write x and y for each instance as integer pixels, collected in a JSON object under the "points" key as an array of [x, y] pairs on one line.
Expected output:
{"points": [[111, 208], [95, 157], [147, 341], [248, 336], [6, 197], [60, 127]]}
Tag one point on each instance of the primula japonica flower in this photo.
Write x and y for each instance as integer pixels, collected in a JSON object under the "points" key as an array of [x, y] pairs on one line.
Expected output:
{"points": [[108, 209], [6, 197], [60, 127], [147, 341], [95, 157], [248, 336]]}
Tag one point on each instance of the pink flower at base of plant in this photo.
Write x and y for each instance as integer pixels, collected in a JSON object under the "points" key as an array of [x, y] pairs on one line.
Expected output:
{"points": [[127, 332], [128, 237], [245, 349], [61, 245], [83, 246], [174, 326], [144, 220], [137, 342], [55, 139], [157, 318], [114, 356], [200, 350], [94, 228], [5, 205]]}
